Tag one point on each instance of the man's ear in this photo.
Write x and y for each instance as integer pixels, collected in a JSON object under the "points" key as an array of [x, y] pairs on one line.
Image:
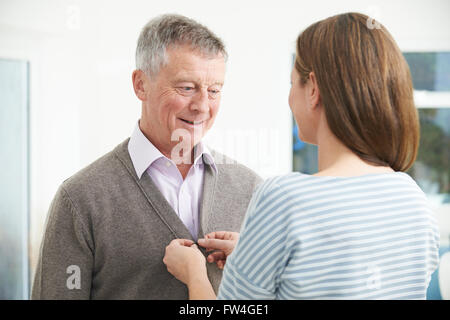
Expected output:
{"points": [[314, 93], [140, 84]]}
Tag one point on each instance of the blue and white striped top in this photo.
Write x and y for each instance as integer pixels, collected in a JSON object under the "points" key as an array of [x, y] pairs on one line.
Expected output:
{"points": [[310, 237]]}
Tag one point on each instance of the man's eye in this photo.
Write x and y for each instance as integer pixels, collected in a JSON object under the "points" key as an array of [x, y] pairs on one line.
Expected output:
{"points": [[213, 94], [187, 88]]}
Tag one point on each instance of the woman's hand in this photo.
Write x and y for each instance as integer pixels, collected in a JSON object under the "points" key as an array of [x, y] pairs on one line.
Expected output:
{"points": [[185, 261], [222, 243]]}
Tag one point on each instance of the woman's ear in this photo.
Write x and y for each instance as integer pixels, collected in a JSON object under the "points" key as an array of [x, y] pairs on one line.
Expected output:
{"points": [[314, 93], [140, 84]]}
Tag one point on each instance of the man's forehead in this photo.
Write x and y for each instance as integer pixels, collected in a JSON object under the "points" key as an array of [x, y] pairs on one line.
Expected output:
{"points": [[192, 67], [198, 77]]}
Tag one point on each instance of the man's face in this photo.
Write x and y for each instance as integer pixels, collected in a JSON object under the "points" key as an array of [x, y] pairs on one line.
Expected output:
{"points": [[185, 94]]}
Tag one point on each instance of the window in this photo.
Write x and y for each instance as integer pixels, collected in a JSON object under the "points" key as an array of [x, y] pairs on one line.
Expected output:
{"points": [[14, 262], [430, 72]]}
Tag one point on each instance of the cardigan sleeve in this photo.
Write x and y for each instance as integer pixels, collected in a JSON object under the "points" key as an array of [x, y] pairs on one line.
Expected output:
{"points": [[66, 256]]}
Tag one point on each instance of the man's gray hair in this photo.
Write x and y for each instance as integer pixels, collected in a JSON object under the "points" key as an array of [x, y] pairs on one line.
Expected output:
{"points": [[171, 30]]}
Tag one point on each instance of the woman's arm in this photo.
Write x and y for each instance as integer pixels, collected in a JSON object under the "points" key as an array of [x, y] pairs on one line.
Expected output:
{"points": [[186, 263], [200, 288]]}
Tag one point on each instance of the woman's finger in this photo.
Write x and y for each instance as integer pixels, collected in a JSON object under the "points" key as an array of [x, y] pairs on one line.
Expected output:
{"points": [[216, 244], [183, 242], [221, 264], [215, 256], [224, 235]]}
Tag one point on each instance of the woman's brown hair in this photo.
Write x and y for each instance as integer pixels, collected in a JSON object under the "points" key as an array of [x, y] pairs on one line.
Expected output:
{"points": [[365, 87]]}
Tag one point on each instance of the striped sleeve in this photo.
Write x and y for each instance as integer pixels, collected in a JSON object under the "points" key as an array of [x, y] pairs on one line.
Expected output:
{"points": [[252, 270]]}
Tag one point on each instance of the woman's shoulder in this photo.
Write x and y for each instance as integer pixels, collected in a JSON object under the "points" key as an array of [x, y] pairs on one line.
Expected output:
{"points": [[297, 185], [279, 182], [292, 180], [287, 188]]}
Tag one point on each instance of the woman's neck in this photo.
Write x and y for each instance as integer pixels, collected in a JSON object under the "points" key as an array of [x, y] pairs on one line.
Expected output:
{"points": [[335, 159]]}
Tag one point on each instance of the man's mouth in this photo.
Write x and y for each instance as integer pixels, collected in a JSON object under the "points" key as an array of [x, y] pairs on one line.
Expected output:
{"points": [[192, 122]]}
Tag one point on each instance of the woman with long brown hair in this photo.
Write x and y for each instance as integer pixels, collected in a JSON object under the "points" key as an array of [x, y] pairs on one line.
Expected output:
{"points": [[358, 229]]}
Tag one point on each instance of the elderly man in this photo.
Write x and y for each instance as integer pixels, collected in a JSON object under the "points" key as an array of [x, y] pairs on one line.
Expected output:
{"points": [[109, 224]]}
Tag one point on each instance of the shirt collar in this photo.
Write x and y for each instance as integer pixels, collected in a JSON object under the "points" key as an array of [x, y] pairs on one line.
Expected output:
{"points": [[203, 155], [143, 153]]}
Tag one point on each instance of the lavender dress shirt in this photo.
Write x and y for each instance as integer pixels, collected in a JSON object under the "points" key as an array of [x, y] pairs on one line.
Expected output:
{"points": [[184, 196]]}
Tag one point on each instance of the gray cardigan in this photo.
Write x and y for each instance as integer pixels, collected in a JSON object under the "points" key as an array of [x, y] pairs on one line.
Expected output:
{"points": [[106, 230]]}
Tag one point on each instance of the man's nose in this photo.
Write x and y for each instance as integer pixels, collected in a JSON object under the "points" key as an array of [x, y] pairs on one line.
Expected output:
{"points": [[200, 102]]}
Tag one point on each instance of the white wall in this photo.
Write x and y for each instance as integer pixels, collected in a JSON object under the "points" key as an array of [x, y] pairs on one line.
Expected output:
{"points": [[82, 55]]}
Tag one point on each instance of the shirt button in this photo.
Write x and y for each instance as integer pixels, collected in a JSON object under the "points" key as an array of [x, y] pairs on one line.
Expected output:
{"points": [[168, 164]]}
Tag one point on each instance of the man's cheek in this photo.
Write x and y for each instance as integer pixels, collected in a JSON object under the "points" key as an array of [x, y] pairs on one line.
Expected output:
{"points": [[213, 117]]}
